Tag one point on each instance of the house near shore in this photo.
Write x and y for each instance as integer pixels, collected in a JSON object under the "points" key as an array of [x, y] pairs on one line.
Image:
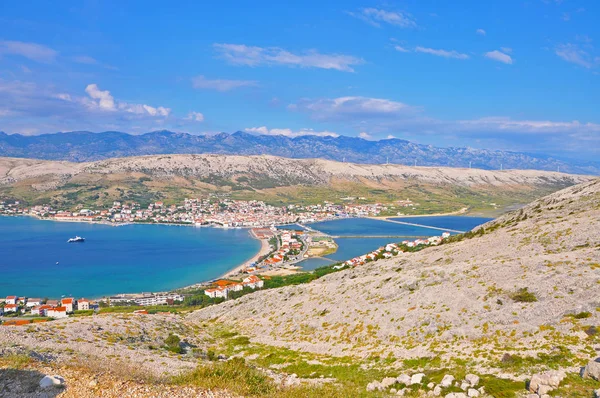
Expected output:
{"points": [[32, 302], [57, 312], [253, 282], [10, 308], [83, 304], [41, 310], [11, 300], [219, 291], [69, 303]]}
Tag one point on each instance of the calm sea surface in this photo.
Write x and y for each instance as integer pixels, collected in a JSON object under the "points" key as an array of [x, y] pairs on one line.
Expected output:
{"points": [[124, 259], [352, 247]]}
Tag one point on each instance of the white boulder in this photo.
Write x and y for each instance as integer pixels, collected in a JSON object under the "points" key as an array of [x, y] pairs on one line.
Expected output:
{"points": [[417, 378], [49, 381], [403, 379], [447, 381], [592, 369], [472, 379]]}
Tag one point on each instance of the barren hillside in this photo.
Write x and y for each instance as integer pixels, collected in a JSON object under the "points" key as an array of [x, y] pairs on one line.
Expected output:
{"points": [[274, 179], [526, 284]]}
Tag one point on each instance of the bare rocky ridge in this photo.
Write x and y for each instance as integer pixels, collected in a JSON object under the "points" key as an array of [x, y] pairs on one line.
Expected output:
{"points": [[279, 171], [457, 300]]}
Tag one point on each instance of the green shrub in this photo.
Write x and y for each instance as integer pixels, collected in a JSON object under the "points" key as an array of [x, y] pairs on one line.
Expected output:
{"points": [[523, 295]]}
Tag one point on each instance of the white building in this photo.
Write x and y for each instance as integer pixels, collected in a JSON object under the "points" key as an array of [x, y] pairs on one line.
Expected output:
{"points": [[57, 312], [253, 282], [11, 300], [33, 302], [69, 303], [221, 291], [83, 305], [10, 308]]}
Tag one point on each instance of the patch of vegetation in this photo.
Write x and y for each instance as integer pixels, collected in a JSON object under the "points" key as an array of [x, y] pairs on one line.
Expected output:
{"points": [[523, 295], [501, 388], [173, 344], [233, 375], [580, 315]]}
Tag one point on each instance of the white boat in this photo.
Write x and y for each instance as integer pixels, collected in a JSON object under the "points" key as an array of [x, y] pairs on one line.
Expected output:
{"points": [[76, 239]]}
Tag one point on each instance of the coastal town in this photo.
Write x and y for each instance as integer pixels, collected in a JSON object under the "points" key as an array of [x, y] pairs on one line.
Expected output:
{"points": [[213, 210], [21, 310]]}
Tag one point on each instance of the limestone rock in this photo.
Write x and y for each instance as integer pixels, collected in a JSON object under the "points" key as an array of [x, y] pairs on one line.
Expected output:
{"points": [[49, 381], [430, 385], [472, 379], [447, 381], [541, 383], [417, 378], [388, 382], [437, 391], [403, 379], [592, 369], [374, 386], [471, 392]]}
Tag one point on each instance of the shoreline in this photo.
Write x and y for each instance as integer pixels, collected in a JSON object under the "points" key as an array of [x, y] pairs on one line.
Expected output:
{"points": [[265, 248]]}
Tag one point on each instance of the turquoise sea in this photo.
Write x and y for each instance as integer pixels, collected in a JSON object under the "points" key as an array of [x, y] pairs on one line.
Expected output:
{"points": [[36, 261], [352, 247]]}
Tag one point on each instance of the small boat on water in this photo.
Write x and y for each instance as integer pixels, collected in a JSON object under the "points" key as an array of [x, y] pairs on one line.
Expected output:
{"points": [[76, 239]]}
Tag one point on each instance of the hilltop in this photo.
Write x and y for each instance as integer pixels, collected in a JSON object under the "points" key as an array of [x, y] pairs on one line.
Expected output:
{"points": [[86, 146], [274, 179]]}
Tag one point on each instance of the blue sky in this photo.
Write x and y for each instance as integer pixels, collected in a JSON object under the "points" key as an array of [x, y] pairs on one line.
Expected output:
{"points": [[516, 75]]}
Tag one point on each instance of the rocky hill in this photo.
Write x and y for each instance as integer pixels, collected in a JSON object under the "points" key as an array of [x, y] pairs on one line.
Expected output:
{"points": [[276, 179], [521, 292], [86, 146], [508, 310]]}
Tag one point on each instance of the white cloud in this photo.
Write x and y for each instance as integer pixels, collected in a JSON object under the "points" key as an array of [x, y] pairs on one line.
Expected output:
{"points": [[222, 85], [401, 49], [507, 124], [376, 16], [480, 32], [350, 107], [499, 56], [365, 136], [32, 51], [263, 130], [103, 100], [64, 97], [574, 54], [85, 59], [442, 53], [391, 137], [195, 116], [506, 50], [240, 54]]}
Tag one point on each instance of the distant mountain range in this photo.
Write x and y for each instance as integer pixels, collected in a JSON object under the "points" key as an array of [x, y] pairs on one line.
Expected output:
{"points": [[87, 146]]}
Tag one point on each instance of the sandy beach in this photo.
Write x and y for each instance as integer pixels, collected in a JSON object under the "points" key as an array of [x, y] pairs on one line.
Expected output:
{"points": [[265, 248]]}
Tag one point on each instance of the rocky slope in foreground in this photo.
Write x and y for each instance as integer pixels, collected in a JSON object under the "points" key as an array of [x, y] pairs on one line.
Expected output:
{"points": [[525, 290]]}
